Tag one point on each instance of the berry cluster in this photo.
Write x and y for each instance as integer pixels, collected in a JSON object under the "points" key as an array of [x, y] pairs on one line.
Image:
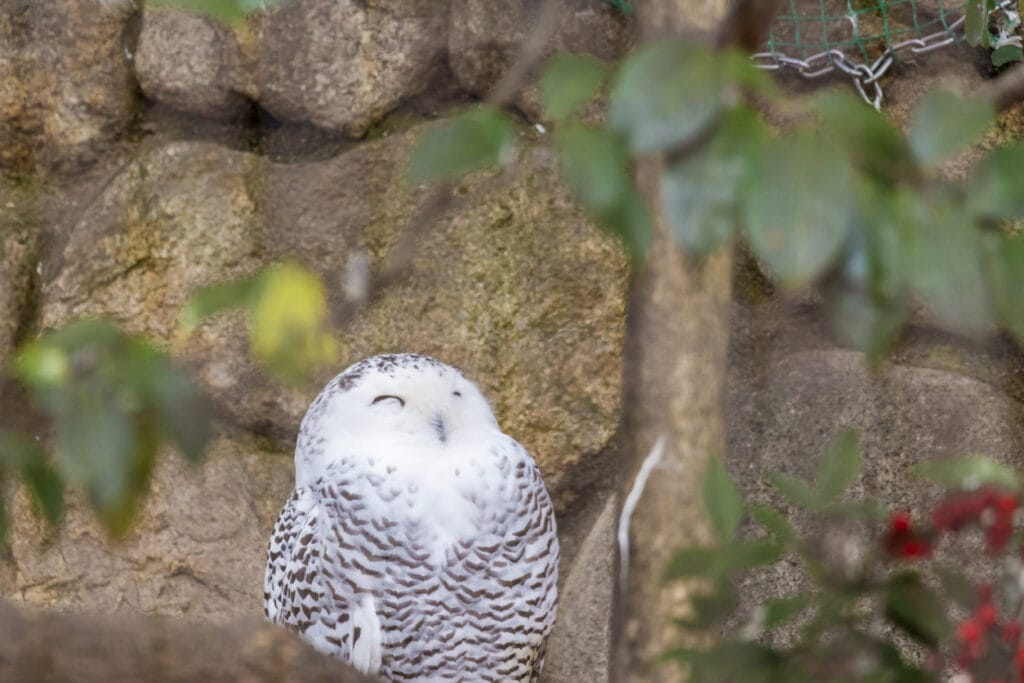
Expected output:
{"points": [[985, 643]]}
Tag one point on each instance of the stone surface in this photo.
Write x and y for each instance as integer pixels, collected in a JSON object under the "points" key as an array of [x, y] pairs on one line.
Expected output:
{"points": [[516, 288], [192, 64], [790, 391], [485, 39], [580, 643], [198, 548], [65, 83], [18, 252], [343, 64]]}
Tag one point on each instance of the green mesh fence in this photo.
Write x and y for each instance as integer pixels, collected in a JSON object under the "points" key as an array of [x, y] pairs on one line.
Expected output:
{"points": [[862, 29]]}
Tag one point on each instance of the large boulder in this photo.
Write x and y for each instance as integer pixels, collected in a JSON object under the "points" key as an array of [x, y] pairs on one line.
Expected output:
{"points": [[198, 548], [192, 64], [342, 64], [17, 262], [66, 88], [515, 287], [486, 38]]}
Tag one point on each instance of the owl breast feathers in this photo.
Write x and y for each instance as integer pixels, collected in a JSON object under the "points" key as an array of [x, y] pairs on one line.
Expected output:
{"points": [[419, 543]]}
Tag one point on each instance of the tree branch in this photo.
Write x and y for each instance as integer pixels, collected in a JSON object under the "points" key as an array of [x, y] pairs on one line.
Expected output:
{"points": [[58, 648]]}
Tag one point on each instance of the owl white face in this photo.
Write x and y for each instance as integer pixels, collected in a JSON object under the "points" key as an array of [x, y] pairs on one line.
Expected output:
{"points": [[394, 404]]}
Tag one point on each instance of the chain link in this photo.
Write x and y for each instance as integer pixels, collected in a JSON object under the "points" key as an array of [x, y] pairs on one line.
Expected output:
{"points": [[865, 76]]}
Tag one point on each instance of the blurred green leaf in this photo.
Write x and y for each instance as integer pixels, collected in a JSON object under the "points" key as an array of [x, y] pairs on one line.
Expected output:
{"points": [[699, 194], [182, 411], [781, 610], [1005, 54], [475, 139], [798, 206], [666, 94], [596, 167], [290, 322], [773, 521], [1005, 270], [117, 397], [976, 20], [721, 500], [968, 471], [915, 608], [722, 562], [710, 609], [228, 12], [946, 271], [866, 323], [840, 466], [46, 487], [996, 187], [957, 587], [240, 293], [21, 454], [100, 448], [694, 561], [42, 366], [866, 135], [569, 81], [738, 661], [944, 124], [796, 491]]}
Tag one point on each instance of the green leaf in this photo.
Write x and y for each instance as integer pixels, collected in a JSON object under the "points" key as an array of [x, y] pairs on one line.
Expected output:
{"points": [[969, 472], [1005, 270], [182, 410], [946, 266], [228, 12], [957, 587], [722, 562], [721, 500], [773, 521], [694, 561], [996, 187], [865, 134], [596, 167], [798, 206], [710, 609], [700, 193], [840, 466], [944, 124], [569, 81], [864, 322], [1007, 53], [239, 293], [976, 20], [100, 448], [290, 324], [796, 491], [666, 94], [46, 487], [781, 610], [21, 454], [915, 608], [476, 139]]}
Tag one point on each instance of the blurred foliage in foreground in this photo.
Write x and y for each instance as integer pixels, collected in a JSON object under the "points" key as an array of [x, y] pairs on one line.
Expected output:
{"points": [[840, 198], [871, 579]]}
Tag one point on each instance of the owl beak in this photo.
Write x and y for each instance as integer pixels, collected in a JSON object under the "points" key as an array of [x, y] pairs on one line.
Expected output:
{"points": [[439, 426]]}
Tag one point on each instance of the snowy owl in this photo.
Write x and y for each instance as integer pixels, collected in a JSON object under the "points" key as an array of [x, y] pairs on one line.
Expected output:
{"points": [[419, 543]]}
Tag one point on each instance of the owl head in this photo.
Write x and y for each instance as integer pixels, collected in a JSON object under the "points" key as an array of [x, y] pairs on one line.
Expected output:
{"points": [[392, 406]]}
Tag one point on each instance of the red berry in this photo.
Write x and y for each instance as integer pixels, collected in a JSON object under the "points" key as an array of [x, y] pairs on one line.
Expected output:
{"points": [[970, 632], [900, 523], [1012, 632]]}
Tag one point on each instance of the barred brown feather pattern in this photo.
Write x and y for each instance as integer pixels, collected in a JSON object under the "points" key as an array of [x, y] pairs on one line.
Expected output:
{"points": [[477, 609]]}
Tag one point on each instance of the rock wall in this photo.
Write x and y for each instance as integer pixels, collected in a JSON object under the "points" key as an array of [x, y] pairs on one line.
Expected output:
{"points": [[145, 155], [149, 154]]}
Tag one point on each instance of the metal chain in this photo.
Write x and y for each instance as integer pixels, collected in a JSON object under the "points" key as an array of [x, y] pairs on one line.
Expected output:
{"points": [[865, 76]]}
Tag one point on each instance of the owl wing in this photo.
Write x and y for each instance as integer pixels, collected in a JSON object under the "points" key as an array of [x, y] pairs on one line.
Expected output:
{"points": [[305, 588]]}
